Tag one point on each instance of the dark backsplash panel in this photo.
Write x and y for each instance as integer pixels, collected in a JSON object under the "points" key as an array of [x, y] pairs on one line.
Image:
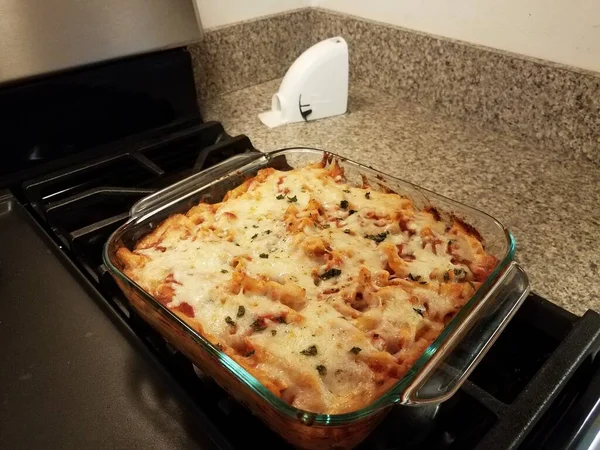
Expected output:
{"points": [[51, 118]]}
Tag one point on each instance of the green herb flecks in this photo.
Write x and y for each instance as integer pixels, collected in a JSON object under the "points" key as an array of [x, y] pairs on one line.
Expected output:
{"points": [[460, 273], [310, 351], [331, 273], [378, 238], [241, 311], [258, 325], [322, 370], [355, 350]]}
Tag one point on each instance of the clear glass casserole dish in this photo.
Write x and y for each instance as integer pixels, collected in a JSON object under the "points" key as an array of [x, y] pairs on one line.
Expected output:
{"points": [[434, 377]]}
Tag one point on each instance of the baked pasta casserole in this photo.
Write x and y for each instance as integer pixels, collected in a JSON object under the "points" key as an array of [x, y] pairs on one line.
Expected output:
{"points": [[325, 292]]}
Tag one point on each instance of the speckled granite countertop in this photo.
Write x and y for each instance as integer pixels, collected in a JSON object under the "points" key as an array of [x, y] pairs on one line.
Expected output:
{"points": [[552, 205]]}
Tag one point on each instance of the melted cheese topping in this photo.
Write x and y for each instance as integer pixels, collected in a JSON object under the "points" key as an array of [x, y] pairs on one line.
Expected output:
{"points": [[327, 292]]}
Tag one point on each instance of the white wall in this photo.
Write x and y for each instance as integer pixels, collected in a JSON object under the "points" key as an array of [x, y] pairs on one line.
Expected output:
{"points": [[214, 13], [564, 31]]}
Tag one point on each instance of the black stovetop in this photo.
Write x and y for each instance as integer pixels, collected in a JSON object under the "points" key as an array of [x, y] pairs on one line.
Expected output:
{"points": [[523, 392], [538, 387]]}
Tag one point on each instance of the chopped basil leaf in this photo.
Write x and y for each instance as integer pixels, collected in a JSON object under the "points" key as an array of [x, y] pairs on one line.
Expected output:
{"points": [[310, 351], [368, 195], [258, 325], [347, 191], [268, 232], [344, 204], [224, 271], [377, 237], [254, 226], [446, 276], [352, 211], [459, 272], [326, 225], [322, 370], [250, 353], [254, 236], [355, 350], [330, 274], [418, 311], [292, 199], [241, 311], [413, 277], [230, 321], [280, 197], [264, 255], [273, 332]]}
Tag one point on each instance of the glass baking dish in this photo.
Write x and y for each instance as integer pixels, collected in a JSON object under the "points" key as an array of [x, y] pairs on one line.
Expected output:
{"points": [[434, 377]]}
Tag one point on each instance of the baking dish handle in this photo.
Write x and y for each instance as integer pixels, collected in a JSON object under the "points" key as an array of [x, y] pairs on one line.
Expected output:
{"points": [[197, 180], [450, 366]]}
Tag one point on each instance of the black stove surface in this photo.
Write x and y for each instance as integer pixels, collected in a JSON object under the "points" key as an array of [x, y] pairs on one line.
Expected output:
{"points": [[74, 375], [533, 390]]}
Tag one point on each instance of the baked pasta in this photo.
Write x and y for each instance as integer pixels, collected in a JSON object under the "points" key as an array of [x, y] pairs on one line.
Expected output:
{"points": [[325, 292]]}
